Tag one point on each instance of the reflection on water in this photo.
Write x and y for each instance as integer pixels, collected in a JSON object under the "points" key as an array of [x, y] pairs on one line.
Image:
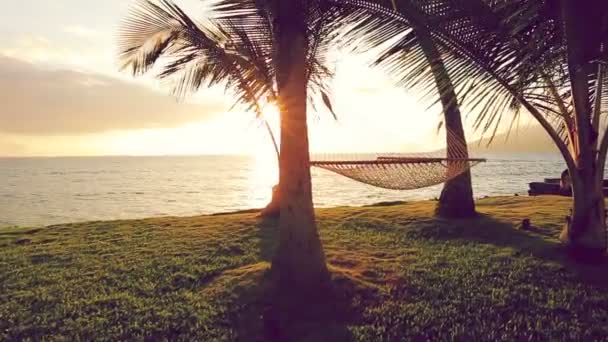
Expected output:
{"points": [[55, 190]]}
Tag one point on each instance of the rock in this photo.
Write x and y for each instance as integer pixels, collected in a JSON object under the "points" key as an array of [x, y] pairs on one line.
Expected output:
{"points": [[23, 242], [525, 224]]}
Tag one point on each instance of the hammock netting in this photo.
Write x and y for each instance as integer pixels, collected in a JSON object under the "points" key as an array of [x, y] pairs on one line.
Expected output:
{"points": [[399, 171]]}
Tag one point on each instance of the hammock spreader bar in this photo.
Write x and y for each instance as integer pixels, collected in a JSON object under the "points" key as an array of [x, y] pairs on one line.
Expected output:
{"points": [[396, 160]]}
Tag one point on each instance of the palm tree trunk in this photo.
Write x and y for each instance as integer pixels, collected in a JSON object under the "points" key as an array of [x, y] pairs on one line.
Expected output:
{"points": [[585, 231], [300, 260], [456, 198]]}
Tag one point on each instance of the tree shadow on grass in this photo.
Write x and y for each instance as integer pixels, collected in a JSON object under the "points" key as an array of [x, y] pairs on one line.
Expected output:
{"points": [[538, 242], [262, 311]]}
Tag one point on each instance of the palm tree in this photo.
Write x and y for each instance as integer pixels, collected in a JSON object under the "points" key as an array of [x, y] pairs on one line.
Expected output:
{"points": [[261, 50], [546, 57], [456, 199], [300, 259]]}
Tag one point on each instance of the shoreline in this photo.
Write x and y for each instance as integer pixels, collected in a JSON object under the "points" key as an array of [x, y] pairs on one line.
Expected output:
{"points": [[246, 211]]}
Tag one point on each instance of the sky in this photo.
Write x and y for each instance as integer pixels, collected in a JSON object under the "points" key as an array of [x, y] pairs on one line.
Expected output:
{"points": [[62, 94]]}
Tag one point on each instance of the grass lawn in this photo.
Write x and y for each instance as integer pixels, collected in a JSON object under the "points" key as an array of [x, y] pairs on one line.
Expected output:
{"points": [[398, 273]]}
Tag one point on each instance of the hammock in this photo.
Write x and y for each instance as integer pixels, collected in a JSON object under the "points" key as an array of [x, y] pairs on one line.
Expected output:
{"points": [[397, 171]]}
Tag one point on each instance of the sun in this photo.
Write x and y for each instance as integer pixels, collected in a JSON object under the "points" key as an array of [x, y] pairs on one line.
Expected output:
{"points": [[270, 113], [265, 168], [270, 122]]}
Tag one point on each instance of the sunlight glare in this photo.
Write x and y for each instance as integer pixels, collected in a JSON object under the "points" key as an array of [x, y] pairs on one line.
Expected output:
{"points": [[266, 158]]}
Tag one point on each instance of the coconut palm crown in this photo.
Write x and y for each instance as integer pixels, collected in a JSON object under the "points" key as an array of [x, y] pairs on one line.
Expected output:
{"points": [[231, 46]]}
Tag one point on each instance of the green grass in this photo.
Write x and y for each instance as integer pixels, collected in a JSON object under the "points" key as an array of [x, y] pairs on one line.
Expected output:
{"points": [[397, 271]]}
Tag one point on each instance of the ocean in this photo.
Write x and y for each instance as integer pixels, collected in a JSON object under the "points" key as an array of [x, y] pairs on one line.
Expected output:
{"points": [[45, 191]]}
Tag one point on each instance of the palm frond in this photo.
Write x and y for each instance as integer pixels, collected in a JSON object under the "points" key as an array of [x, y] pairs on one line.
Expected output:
{"points": [[493, 61], [233, 46], [194, 54]]}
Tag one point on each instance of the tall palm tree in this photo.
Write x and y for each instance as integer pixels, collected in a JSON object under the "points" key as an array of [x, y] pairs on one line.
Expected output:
{"points": [[261, 50], [546, 57], [456, 199], [300, 259]]}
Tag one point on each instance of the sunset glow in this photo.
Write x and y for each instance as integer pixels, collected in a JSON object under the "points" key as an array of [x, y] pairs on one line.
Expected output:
{"points": [[105, 112]]}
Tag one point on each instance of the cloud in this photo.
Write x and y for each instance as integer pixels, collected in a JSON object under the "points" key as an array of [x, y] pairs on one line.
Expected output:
{"points": [[81, 31], [39, 101], [33, 49], [94, 54]]}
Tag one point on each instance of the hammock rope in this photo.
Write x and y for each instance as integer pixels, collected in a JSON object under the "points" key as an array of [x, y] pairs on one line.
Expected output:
{"points": [[398, 171]]}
